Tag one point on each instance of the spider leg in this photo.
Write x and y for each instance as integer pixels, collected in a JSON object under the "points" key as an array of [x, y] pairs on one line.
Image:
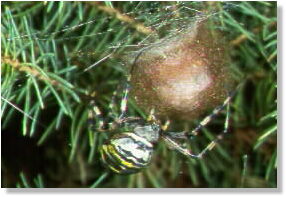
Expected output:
{"points": [[123, 104], [174, 145], [219, 137], [204, 122], [152, 119], [217, 110], [112, 106], [95, 120], [207, 119], [166, 125], [177, 135], [151, 116]]}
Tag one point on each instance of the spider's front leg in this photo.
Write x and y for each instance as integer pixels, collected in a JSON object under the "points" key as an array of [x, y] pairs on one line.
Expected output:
{"points": [[215, 112], [97, 122], [170, 136], [124, 100], [95, 119], [203, 123]]}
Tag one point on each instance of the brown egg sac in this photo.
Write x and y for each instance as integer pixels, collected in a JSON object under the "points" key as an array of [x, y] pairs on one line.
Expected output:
{"points": [[183, 76]]}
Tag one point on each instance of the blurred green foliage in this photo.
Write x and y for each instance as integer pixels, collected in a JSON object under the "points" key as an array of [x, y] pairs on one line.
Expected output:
{"points": [[46, 46]]}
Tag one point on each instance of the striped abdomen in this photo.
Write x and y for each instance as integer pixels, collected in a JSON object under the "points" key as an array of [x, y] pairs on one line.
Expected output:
{"points": [[126, 153]]}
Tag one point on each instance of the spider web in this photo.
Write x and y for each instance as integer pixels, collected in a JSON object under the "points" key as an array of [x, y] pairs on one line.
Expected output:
{"points": [[125, 26], [111, 33]]}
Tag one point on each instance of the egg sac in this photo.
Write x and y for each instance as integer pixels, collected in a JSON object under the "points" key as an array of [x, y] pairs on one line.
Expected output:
{"points": [[182, 76]]}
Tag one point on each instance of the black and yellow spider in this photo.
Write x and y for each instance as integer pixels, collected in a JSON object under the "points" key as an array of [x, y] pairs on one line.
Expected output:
{"points": [[131, 148]]}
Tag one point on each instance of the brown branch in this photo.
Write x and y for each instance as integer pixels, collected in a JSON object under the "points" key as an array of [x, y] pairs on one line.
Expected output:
{"points": [[241, 38], [124, 18], [271, 57], [30, 70]]}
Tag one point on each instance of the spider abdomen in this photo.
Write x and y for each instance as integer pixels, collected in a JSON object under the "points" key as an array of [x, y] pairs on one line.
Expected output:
{"points": [[126, 153]]}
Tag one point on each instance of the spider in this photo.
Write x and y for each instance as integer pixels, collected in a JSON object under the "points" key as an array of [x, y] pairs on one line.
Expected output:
{"points": [[131, 148]]}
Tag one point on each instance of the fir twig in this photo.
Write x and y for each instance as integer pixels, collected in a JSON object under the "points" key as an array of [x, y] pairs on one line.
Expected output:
{"points": [[124, 18]]}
